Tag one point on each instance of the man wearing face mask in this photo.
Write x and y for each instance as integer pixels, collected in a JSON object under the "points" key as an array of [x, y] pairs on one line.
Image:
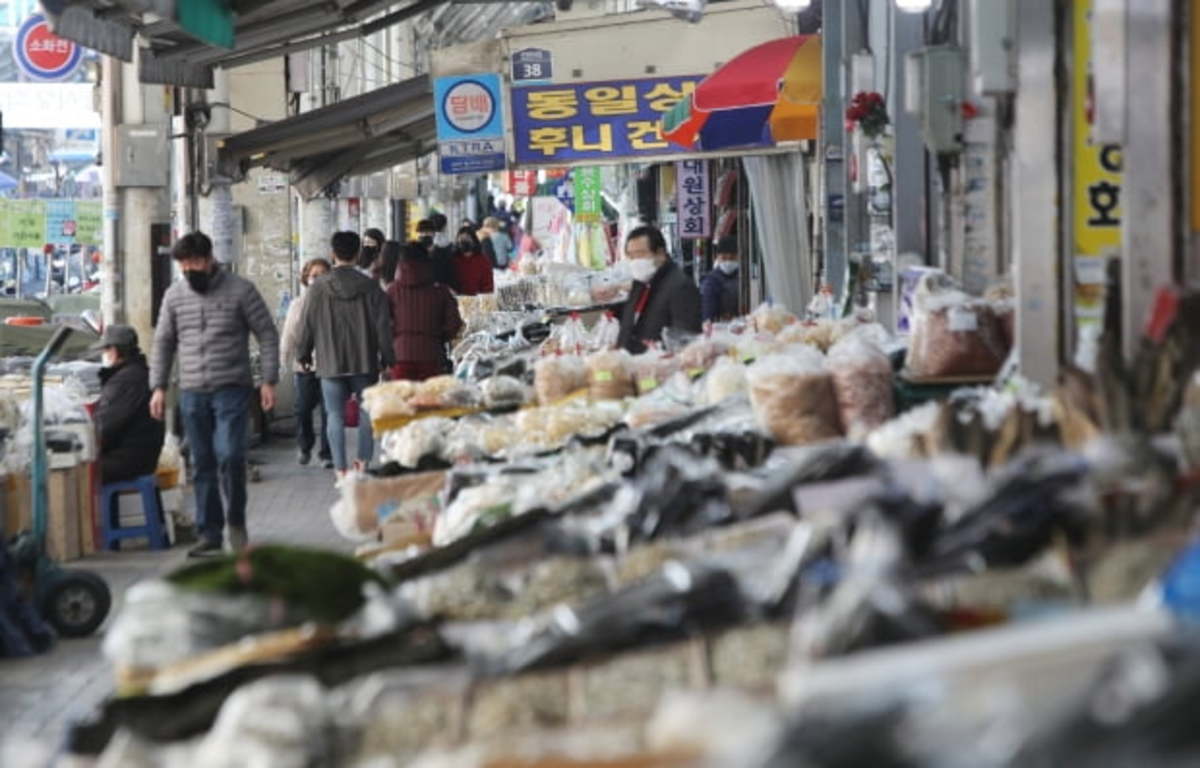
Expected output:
{"points": [[431, 233], [720, 290], [130, 439], [662, 296], [207, 319]]}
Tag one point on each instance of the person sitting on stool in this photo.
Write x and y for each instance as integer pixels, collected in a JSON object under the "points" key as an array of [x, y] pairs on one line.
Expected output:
{"points": [[130, 438]]}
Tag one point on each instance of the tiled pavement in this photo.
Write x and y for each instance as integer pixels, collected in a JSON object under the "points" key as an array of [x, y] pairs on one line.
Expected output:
{"points": [[41, 695]]}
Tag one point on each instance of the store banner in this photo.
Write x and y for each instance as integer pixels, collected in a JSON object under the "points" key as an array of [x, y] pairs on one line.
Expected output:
{"points": [[35, 223], [470, 123], [693, 201], [601, 121], [522, 183], [589, 205], [1097, 185]]}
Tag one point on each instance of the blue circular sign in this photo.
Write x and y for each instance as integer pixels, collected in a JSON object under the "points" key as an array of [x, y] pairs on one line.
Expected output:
{"points": [[469, 106], [43, 55]]}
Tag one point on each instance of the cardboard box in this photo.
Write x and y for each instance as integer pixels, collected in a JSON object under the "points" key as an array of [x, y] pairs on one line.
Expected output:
{"points": [[88, 477], [18, 507], [62, 529]]}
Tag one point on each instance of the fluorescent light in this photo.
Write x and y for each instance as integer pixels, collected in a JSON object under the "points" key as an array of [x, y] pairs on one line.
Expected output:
{"points": [[792, 6], [914, 6]]}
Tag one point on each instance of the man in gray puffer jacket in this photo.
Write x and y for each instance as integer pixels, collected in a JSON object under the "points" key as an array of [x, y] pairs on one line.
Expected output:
{"points": [[207, 319]]}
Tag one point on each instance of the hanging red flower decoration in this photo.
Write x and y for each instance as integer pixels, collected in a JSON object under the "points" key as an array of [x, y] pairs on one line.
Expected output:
{"points": [[867, 111]]}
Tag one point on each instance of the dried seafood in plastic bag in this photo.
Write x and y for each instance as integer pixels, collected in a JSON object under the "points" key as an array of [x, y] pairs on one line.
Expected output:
{"points": [[557, 377], [505, 392], [610, 375], [724, 380], [652, 368], [772, 318], [953, 334], [862, 381], [793, 397], [390, 399]]}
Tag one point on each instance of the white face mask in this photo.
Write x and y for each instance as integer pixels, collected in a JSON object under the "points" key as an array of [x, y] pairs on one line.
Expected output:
{"points": [[441, 240], [728, 267], [642, 270], [108, 359]]}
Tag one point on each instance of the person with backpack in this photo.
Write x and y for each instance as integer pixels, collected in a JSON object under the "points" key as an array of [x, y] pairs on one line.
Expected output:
{"points": [[347, 324], [497, 245], [425, 318]]}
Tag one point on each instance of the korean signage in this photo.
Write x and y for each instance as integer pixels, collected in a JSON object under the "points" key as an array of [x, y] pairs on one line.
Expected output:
{"points": [[43, 55], [522, 183], [1097, 185], [35, 223], [606, 121], [588, 184], [693, 202], [470, 123]]}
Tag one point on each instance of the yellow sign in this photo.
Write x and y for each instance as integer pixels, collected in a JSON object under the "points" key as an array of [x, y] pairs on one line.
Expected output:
{"points": [[1097, 184]]}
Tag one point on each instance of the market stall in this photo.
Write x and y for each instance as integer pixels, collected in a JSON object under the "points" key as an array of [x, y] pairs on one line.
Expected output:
{"points": [[573, 556]]}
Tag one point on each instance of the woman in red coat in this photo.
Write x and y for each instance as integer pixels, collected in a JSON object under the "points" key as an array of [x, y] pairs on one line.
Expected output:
{"points": [[472, 269], [425, 318]]}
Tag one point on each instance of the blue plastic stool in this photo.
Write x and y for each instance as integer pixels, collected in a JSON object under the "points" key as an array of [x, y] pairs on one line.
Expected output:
{"points": [[110, 524]]}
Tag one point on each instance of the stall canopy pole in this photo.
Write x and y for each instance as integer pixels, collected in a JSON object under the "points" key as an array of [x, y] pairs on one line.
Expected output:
{"points": [[832, 142], [1035, 195], [1148, 216]]}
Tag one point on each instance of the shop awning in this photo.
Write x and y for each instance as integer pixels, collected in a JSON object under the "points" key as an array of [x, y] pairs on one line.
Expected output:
{"points": [[357, 136], [186, 40], [767, 95]]}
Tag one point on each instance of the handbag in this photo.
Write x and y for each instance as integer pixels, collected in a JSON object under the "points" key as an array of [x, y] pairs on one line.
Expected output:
{"points": [[351, 412]]}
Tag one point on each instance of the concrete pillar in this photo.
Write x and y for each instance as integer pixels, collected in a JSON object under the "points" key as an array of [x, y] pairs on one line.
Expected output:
{"points": [[316, 228], [216, 208], [111, 308], [139, 208]]}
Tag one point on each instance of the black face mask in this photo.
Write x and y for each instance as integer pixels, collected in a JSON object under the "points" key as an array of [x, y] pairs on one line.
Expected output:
{"points": [[198, 280], [426, 240], [466, 246]]}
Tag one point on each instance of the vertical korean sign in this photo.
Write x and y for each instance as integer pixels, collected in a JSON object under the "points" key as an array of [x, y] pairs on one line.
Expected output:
{"points": [[1097, 187], [470, 123], [588, 205], [693, 202]]}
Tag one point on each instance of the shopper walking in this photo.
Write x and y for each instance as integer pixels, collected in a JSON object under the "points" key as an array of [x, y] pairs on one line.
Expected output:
{"points": [[425, 318], [472, 270], [372, 246], [497, 245], [387, 264], [206, 320], [720, 290], [432, 235], [663, 297], [308, 386], [347, 326], [130, 438]]}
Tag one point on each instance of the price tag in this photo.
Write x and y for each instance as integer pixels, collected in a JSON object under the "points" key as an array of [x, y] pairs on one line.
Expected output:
{"points": [[648, 384], [602, 376], [961, 319]]}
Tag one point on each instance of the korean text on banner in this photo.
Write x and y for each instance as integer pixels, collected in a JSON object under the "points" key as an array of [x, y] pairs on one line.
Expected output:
{"points": [[26, 224], [588, 202], [470, 123], [87, 222], [1097, 185], [60, 222], [693, 201], [605, 121]]}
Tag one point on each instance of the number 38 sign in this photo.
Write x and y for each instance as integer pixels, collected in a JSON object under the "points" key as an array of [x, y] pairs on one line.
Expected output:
{"points": [[532, 65]]}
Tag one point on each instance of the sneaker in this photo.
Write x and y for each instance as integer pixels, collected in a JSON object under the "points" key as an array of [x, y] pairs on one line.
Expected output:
{"points": [[327, 464], [238, 539], [304, 458], [207, 548]]}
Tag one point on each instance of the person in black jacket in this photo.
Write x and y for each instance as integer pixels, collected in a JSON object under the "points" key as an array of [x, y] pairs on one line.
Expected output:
{"points": [[431, 233], [662, 297], [130, 438], [720, 290]]}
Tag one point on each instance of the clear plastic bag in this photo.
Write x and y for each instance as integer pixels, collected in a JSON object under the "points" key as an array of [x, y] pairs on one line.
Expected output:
{"points": [[702, 352], [953, 334], [652, 368], [560, 376], [724, 380], [862, 381], [793, 397], [606, 333], [670, 401], [421, 438], [610, 375], [771, 318], [505, 392]]}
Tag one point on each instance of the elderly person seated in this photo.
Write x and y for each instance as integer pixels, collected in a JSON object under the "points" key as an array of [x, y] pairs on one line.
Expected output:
{"points": [[130, 438]]}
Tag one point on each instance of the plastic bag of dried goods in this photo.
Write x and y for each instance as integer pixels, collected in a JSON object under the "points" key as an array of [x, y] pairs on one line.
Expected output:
{"points": [[771, 318], [725, 379], [610, 375], [703, 351], [606, 333], [862, 381], [793, 397], [390, 399], [953, 334], [505, 392], [559, 376], [815, 333], [652, 368], [421, 438], [670, 401]]}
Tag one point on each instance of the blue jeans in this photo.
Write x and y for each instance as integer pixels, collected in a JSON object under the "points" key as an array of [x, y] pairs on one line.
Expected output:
{"points": [[309, 399], [337, 392], [216, 430]]}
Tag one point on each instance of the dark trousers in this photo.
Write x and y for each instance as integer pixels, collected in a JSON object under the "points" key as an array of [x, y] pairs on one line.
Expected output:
{"points": [[308, 399], [216, 428]]}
